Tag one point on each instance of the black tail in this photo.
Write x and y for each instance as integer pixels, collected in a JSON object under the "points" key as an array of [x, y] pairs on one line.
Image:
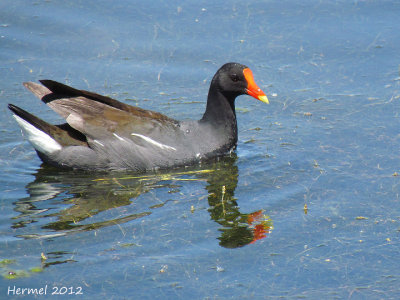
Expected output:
{"points": [[35, 121], [64, 134]]}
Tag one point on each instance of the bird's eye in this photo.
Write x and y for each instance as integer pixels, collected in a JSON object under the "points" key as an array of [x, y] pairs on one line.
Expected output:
{"points": [[235, 78]]}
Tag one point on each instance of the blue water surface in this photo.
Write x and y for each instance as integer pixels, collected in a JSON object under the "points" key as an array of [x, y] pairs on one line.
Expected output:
{"points": [[308, 205]]}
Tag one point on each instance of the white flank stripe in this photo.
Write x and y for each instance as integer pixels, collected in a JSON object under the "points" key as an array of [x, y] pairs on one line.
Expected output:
{"points": [[99, 143], [40, 140], [118, 137], [155, 143]]}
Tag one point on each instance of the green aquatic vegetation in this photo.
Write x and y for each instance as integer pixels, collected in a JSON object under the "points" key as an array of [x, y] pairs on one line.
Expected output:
{"points": [[126, 245], [10, 273], [36, 270], [242, 110], [16, 274], [5, 262]]}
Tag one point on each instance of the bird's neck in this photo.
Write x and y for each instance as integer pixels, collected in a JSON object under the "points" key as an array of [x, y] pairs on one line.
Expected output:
{"points": [[220, 115], [220, 109]]}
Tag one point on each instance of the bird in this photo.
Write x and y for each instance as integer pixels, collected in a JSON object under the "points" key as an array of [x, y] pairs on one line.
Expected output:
{"points": [[104, 134]]}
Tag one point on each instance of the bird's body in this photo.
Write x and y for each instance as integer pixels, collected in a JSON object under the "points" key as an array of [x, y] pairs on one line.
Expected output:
{"points": [[101, 133]]}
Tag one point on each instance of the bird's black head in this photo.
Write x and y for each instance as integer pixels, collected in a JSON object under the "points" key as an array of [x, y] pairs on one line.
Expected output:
{"points": [[234, 79]]}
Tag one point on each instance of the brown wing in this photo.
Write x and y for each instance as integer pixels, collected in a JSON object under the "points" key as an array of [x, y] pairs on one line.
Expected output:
{"points": [[55, 90], [97, 116]]}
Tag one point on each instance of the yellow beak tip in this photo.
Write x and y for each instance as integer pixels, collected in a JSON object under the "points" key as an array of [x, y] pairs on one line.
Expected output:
{"points": [[263, 99]]}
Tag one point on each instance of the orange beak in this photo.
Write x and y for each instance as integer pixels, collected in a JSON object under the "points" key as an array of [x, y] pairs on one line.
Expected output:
{"points": [[252, 88]]}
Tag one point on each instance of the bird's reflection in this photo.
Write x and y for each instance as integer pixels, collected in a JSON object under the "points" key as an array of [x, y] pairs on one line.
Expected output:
{"points": [[64, 202]]}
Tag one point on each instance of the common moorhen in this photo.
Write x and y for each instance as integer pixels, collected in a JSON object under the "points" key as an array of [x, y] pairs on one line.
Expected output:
{"points": [[104, 134]]}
